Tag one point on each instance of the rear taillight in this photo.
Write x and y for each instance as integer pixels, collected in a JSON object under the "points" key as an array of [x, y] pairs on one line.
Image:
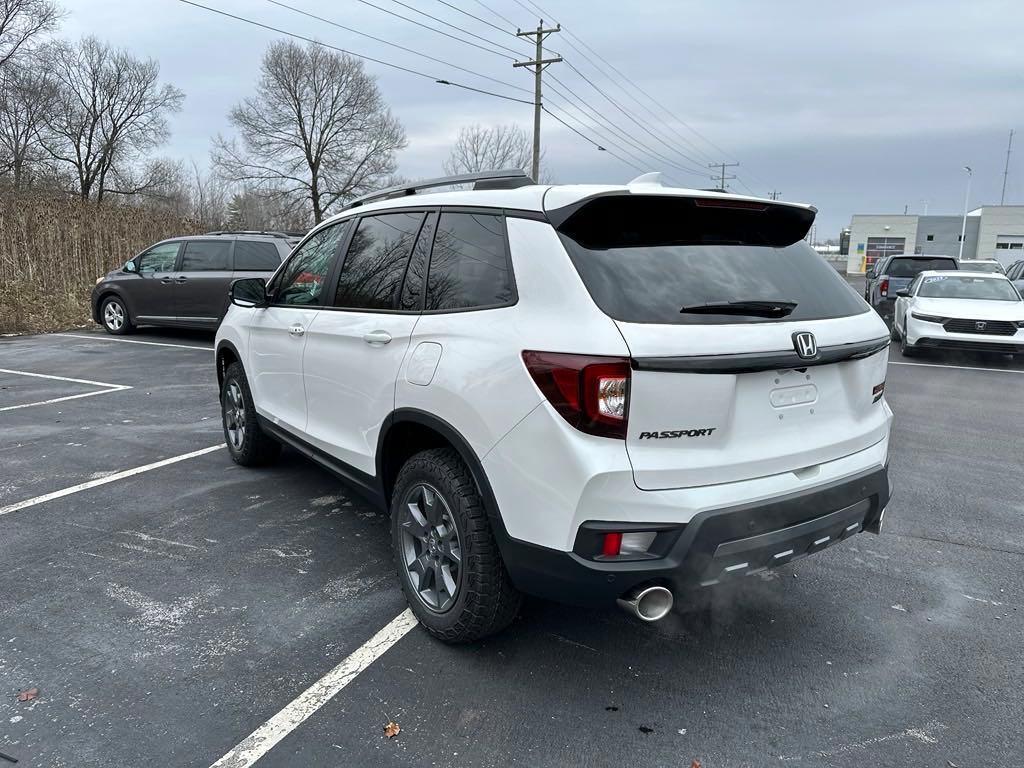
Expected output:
{"points": [[883, 287], [589, 392]]}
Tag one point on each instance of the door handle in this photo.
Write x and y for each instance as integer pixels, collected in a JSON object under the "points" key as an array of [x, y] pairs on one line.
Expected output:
{"points": [[166, 280], [377, 337], [296, 330], [181, 279]]}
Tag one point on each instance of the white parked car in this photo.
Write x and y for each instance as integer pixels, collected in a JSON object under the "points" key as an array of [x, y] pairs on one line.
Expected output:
{"points": [[982, 265], [974, 311], [587, 393]]}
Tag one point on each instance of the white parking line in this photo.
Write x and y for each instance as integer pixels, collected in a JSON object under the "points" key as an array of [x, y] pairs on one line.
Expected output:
{"points": [[958, 367], [262, 740], [104, 480], [97, 337], [108, 388]]}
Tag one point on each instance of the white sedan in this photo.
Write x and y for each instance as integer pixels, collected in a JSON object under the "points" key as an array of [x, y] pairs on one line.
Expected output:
{"points": [[975, 311]]}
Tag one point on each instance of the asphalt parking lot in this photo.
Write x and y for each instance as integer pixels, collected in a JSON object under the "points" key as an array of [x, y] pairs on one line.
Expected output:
{"points": [[166, 614]]}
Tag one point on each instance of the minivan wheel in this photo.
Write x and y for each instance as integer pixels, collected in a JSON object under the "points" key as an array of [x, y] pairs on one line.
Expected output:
{"points": [[447, 559], [115, 318], [248, 445]]}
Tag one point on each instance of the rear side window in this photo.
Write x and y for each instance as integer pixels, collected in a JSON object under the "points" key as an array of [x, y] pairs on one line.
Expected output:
{"points": [[206, 256], [469, 265], [254, 256], [645, 259], [371, 275], [913, 267]]}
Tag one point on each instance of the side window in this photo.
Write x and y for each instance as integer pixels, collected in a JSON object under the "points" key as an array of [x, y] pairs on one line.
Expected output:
{"points": [[159, 258], [206, 256], [301, 281], [372, 272], [469, 265], [416, 273], [256, 256]]}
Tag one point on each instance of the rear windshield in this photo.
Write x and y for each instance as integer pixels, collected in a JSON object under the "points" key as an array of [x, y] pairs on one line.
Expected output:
{"points": [[964, 287], [914, 267], [644, 265], [981, 266]]}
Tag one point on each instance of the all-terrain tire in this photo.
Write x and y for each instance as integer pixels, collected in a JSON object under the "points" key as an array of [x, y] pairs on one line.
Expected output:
{"points": [[247, 443], [485, 600]]}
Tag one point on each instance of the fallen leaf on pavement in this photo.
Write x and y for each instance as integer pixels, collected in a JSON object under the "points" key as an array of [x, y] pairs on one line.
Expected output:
{"points": [[28, 695], [695, 764], [392, 729]]}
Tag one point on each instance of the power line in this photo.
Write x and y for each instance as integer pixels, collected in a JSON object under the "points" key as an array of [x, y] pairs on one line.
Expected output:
{"points": [[399, 67], [591, 141], [440, 21], [474, 16], [396, 45], [621, 135], [488, 8]]}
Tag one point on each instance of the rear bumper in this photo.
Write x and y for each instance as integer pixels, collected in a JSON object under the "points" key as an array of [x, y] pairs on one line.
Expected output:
{"points": [[716, 546]]}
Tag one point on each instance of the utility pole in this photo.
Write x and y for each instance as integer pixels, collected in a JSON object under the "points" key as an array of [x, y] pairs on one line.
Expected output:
{"points": [[963, 227], [1006, 169], [539, 64], [721, 177]]}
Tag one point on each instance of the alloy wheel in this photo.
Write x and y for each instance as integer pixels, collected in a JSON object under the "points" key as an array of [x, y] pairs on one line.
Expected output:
{"points": [[113, 316], [431, 549], [234, 415]]}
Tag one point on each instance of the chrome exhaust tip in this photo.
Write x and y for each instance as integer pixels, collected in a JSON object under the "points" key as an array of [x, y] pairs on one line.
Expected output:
{"points": [[649, 603]]}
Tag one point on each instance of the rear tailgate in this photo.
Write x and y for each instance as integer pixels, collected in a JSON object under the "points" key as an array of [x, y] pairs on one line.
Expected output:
{"points": [[715, 299]]}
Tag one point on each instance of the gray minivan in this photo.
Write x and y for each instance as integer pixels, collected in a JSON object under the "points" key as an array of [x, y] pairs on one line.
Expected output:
{"points": [[184, 281]]}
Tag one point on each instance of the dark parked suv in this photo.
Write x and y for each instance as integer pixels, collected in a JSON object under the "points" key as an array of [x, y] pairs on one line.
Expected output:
{"points": [[896, 272], [184, 281]]}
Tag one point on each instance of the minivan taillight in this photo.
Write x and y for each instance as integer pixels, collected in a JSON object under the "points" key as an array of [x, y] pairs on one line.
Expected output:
{"points": [[590, 392], [883, 287]]}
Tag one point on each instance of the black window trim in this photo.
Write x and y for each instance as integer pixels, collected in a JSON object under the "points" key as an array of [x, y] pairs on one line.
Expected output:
{"points": [[481, 210], [342, 255]]}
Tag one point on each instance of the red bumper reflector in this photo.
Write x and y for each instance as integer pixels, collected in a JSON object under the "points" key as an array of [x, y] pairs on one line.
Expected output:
{"points": [[877, 391], [612, 544]]}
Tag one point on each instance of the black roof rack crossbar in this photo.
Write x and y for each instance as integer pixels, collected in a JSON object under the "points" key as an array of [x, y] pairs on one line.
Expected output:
{"points": [[480, 177]]}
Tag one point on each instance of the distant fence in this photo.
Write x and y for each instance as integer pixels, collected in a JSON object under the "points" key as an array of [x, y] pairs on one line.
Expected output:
{"points": [[52, 249]]}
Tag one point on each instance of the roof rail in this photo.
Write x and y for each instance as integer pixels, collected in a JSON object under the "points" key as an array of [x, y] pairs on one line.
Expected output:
{"points": [[264, 232], [513, 177]]}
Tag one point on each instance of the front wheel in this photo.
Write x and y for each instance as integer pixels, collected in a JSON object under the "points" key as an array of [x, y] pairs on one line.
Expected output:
{"points": [[448, 561], [115, 317], [906, 348], [247, 443]]}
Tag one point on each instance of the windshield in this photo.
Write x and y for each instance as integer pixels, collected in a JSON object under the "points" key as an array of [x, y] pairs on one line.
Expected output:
{"points": [[914, 267], [966, 287], [979, 266]]}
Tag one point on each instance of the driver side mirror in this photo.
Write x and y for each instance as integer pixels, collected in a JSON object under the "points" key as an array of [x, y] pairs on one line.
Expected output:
{"points": [[903, 292], [249, 292], [129, 266]]}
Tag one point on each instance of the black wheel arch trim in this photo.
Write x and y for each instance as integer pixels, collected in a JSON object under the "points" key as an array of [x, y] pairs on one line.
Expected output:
{"points": [[222, 369]]}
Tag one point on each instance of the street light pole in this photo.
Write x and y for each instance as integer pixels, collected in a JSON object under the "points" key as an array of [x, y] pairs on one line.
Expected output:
{"points": [[967, 197]]}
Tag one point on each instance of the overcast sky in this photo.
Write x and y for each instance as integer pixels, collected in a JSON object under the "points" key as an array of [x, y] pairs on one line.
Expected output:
{"points": [[855, 107]]}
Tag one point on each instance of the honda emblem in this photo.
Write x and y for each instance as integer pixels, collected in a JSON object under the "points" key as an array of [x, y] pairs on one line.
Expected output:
{"points": [[805, 344], [980, 325]]}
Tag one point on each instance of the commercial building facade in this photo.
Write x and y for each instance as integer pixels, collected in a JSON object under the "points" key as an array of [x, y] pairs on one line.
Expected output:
{"points": [[993, 232]]}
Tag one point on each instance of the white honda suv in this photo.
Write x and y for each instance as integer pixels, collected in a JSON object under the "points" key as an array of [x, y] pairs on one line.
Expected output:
{"points": [[586, 393]]}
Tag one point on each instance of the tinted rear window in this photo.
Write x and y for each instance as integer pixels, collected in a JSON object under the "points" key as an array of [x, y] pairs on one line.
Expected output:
{"points": [[206, 256], [642, 263], [914, 267], [469, 266], [255, 256]]}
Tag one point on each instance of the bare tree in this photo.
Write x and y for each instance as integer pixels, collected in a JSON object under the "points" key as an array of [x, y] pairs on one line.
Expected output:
{"points": [[110, 110], [26, 96], [480, 148], [22, 22], [316, 133]]}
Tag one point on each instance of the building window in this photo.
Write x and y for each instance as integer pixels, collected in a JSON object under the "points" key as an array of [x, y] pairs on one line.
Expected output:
{"points": [[930, 238], [1002, 246], [959, 238]]}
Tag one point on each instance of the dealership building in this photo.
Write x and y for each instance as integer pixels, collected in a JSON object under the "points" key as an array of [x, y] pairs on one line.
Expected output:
{"points": [[993, 232]]}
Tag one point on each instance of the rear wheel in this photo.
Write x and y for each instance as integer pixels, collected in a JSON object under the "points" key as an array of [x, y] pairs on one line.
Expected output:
{"points": [[448, 561], [114, 316], [247, 443]]}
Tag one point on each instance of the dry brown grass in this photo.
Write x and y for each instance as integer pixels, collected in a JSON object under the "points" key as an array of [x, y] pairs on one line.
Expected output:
{"points": [[52, 249]]}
